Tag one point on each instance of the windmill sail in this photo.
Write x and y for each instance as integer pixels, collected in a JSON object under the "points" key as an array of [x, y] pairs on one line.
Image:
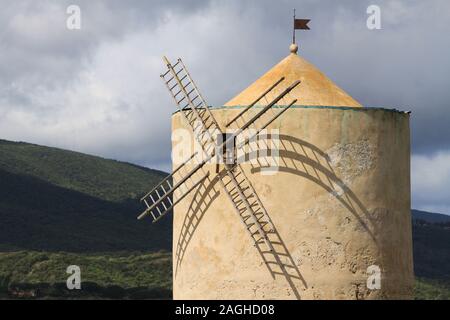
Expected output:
{"points": [[238, 188], [191, 104]]}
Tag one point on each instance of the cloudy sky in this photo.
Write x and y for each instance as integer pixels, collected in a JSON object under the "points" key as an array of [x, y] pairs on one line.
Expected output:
{"points": [[97, 90]]}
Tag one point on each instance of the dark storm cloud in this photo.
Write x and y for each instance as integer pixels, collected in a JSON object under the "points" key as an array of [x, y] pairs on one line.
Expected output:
{"points": [[37, 46]]}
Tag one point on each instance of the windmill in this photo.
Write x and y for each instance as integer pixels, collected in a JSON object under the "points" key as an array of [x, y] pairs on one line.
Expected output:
{"points": [[328, 196], [213, 141]]}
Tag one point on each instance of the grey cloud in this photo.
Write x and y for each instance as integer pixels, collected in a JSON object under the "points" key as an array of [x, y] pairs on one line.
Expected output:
{"points": [[430, 178], [38, 49]]}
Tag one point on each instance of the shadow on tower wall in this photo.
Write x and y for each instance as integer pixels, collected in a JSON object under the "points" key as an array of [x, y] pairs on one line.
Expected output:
{"points": [[295, 157], [202, 199]]}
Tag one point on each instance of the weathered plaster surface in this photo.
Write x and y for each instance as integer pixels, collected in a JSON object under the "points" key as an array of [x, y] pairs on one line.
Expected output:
{"points": [[340, 202]]}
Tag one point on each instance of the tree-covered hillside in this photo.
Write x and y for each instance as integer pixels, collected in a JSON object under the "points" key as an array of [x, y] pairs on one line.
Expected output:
{"points": [[58, 200]]}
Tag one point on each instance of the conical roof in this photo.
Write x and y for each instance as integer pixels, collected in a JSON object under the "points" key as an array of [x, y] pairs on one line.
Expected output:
{"points": [[315, 88]]}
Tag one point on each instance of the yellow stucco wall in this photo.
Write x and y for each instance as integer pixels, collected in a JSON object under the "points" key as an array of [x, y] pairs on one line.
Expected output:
{"points": [[340, 203]]}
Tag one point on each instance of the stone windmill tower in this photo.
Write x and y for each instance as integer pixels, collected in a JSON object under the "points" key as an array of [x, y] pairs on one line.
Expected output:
{"points": [[323, 213]]}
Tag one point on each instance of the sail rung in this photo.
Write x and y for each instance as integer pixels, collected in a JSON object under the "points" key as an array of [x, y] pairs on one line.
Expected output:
{"points": [[199, 104], [182, 99], [176, 64], [186, 85], [179, 71], [184, 77], [192, 90], [164, 205], [167, 82], [173, 87], [159, 211], [157, 193]]}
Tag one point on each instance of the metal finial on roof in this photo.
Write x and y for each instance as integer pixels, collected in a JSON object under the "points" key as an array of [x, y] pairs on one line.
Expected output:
{"points": [[293, 48]]}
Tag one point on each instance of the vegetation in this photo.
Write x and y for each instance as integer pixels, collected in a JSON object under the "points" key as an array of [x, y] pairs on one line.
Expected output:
{"points": [[107, 275], [426, 289]]}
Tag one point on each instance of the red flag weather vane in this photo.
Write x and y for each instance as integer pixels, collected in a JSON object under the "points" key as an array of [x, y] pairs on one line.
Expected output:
{"points": [[299, 24]]}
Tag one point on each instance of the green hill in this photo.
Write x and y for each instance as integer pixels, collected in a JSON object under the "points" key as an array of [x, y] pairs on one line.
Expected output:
{"points": [[58, 200]]}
